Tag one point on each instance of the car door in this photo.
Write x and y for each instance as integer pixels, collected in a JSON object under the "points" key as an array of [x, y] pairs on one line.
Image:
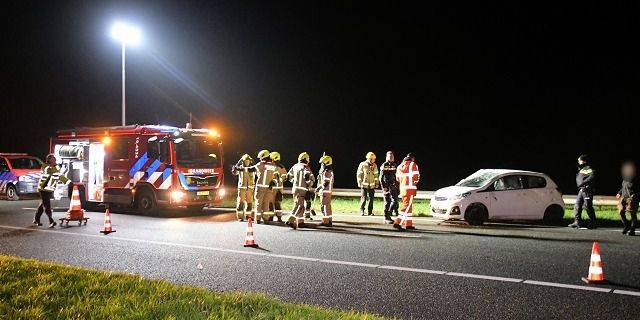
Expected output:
{"points": [[534, 196], [506, 198]]}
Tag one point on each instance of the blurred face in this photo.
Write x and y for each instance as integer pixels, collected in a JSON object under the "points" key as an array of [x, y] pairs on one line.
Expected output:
{"points": [[581, 162], [247, 162], [628, 170], [390, 156], [51, 161]]}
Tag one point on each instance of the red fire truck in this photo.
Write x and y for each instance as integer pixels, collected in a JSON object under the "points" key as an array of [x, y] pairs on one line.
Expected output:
{"points": [[143, 166]]}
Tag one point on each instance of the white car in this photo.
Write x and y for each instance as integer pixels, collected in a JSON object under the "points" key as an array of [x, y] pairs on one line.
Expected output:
{"points": [[499, 194]]}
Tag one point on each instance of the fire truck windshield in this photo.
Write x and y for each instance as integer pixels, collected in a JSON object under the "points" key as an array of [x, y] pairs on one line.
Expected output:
{"points": [[197, 152]]}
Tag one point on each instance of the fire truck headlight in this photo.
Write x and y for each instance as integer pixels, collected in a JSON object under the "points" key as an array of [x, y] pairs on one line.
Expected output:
{"points": [[222, 192], [177, 196]]}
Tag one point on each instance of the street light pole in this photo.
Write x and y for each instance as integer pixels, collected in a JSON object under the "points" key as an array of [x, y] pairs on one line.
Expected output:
{"points": [[125, 34], [124, 121]]}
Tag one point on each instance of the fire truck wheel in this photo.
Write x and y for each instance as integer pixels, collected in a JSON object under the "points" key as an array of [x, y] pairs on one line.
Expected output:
{"points": [[12, 193], [146, 202]]}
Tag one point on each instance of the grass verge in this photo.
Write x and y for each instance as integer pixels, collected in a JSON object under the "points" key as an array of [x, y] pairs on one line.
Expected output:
{"points": [[31, 289]]}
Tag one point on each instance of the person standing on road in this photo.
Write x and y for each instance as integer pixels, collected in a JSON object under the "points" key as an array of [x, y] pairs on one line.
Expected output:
{"points": [[585, 182], [51, 176], [280, 175], [325, 187], [389, 186], [309, 197], [628, 196], [246, 182], [300, 175], [408, 176], [265, 181], [367, 178]]}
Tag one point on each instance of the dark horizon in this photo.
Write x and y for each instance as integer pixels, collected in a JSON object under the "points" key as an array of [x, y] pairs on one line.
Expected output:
{"points": [[469, 87]]}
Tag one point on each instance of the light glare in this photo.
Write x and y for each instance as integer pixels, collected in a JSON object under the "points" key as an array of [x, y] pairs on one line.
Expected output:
{"points": [[126, 34]]}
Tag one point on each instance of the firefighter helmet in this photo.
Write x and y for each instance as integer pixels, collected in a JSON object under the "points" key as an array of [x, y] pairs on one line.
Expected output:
{"points": [[263, 154], [371, 156], [326, 160], [275, 156], [304, 156], [246, 157]]}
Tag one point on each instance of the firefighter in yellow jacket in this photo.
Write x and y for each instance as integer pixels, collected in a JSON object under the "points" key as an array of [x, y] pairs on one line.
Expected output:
{"points": [[367, 178], [300, 175], [324, 189], [51, 176], [265, 181], [280, 175], [246, 179]]}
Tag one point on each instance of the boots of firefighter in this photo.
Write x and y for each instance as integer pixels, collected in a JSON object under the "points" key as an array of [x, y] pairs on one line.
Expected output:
{"points": [[387, 217], [307, 215], [292, 222], [398, 223]]}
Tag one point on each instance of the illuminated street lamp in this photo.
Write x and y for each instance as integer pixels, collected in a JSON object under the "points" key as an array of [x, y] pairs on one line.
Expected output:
{"points": [[127, 35]]}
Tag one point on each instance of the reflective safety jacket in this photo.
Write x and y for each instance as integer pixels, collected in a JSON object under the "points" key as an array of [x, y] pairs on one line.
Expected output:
{"points": [[50, 177], [408, 177], [280, 176], [325, 181], [301, 177], [584, 178], [246, 176], [388, 175], [367, 175], [265, 174]]}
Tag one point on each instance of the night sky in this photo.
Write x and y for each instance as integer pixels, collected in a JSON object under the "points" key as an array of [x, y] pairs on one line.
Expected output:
{"points": [[464, 87]]}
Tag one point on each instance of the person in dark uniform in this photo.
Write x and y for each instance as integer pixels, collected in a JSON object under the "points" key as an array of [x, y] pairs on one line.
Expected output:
{"points": [[389, 185], [628, 196], [585, 182]]}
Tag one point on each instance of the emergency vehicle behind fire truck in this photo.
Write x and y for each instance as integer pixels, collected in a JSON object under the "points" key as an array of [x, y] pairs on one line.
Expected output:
{"points": [[142, 166]]}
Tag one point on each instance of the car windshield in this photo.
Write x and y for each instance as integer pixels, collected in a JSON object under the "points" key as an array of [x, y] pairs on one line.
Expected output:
{"points": [[197, 152], [477, 179], [25, 163]]}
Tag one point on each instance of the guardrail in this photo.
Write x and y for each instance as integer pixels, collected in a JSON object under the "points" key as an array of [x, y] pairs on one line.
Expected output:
{"points": [[427, 195]]}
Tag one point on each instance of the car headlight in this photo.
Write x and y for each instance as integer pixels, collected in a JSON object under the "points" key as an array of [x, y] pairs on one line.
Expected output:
{"points": [[177, 196], [222, 192], [22, 178], [460, 196]]}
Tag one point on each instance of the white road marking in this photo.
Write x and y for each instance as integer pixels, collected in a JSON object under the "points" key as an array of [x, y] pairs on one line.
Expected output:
{"points": [[568, 286], [479, 276], [339, 262], [359, 264], [412, 269], [631, 293]]}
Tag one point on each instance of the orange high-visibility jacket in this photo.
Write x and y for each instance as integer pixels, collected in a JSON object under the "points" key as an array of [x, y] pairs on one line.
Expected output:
{"points": [[408, 176]]}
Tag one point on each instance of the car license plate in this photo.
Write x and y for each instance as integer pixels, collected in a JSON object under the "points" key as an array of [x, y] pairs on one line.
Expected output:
{"points": [[203, 193]]}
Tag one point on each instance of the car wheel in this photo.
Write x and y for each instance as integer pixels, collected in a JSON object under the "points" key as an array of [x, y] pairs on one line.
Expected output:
{"points": [[12, 193], [476, 214], [553, 214], [146, 202]]}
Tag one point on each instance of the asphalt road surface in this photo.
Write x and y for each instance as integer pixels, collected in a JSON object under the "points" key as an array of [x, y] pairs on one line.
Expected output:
{"points": [[498, 271]]}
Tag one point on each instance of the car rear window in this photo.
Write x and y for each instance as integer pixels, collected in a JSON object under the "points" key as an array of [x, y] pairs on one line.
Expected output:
{"points": [[534, 182]]}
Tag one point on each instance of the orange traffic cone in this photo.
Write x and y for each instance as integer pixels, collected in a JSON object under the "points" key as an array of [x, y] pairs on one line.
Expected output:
{"points": [[75, 206], [107, 223], [249, 240], [596, 272]]}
